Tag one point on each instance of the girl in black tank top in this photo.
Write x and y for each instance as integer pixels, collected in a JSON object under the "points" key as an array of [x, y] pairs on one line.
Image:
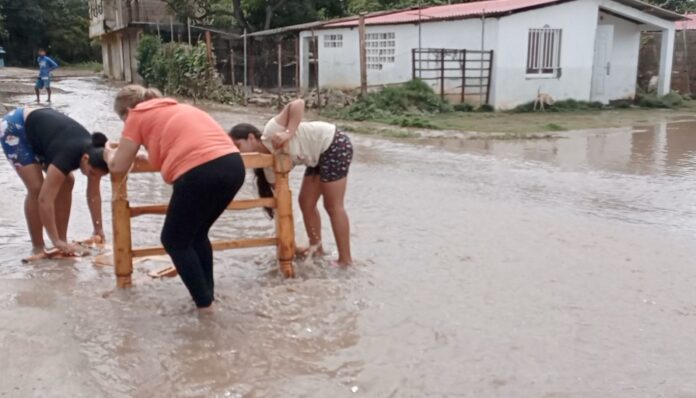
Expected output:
{"points": [[45, 147]]}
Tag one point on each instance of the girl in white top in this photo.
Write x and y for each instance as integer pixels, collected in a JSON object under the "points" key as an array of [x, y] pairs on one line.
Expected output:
{"points": [[325, 151]]}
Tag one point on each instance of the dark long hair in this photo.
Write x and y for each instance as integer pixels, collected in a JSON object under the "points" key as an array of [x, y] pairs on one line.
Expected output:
{"points": [[241, 132], [95, 150]]}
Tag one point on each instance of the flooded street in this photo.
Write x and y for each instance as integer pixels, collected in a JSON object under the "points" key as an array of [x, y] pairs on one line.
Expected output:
{"points": [[540, 268]]}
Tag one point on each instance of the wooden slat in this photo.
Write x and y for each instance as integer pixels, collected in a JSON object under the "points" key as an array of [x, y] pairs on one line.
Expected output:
{"points": [[246, 204], [219, 245], [251, 161]]}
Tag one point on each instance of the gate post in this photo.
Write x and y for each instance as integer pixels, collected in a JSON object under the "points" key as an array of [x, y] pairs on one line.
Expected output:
{"points": [[121, 230], [285, 225]]}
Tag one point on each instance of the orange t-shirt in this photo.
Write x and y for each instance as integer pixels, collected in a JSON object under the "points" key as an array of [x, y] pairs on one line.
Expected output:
{"points": [[178, 137]]}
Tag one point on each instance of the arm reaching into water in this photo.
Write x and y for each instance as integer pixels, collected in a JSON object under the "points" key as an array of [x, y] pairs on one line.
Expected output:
{"points": [[95, 206], [290, 117]]}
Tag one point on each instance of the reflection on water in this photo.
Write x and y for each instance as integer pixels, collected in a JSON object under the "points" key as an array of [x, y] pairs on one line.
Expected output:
{"points": [[661, 149], [485, 268]]}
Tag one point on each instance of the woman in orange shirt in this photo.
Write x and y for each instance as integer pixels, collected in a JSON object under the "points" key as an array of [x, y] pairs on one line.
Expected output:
{"points": [[202, 163]]}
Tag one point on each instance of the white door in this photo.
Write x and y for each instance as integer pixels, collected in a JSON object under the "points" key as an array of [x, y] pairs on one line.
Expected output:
{"points": [[601, 69]]}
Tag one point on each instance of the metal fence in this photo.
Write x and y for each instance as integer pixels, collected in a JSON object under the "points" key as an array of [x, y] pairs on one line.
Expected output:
{"points": [[463, 73]]}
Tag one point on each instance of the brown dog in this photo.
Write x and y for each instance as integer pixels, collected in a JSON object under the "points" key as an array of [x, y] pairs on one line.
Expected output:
{"points": [[542, 100]]}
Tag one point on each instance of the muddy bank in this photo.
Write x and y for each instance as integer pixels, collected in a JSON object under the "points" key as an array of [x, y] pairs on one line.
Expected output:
{"points": [[559, 268]]}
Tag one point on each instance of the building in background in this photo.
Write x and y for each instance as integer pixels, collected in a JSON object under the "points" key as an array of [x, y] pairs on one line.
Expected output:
{"points": [[119, 24], [500, 52]]}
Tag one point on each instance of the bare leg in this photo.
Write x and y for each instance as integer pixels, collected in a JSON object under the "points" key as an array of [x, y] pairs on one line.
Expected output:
{"points": [[63, 206], [309, 196], [48, 90], [334, 193], [32, 177], [38, 95]]}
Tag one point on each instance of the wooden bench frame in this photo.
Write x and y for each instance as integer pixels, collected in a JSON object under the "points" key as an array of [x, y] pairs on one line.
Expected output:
{"points": [[284, 238]]}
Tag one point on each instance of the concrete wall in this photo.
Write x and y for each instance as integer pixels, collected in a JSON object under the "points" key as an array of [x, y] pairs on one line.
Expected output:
{"points": [[578, 20], [684, 72], [340, 67], [119, 52], [624, 57]]}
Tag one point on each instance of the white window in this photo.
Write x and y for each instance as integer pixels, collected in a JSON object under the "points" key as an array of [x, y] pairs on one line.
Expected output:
{"points": [[381, 49], [333, 41], [544, 52]]}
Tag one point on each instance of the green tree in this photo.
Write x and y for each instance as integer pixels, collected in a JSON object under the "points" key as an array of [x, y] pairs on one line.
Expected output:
{"points": [[61, 26], [680, 6]]}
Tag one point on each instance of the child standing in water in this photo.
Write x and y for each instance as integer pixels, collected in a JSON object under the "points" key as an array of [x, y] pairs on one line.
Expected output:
{"points": [[194, 155], [325, 151], [46, 66]]}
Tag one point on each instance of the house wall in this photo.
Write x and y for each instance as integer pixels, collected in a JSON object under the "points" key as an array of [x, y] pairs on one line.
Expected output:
{"points": [[624, 57], [340, 67], [578, 20]]}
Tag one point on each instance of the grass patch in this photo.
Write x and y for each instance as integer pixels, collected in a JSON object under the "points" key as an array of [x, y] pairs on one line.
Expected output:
{"points": [[464, 107], [379, 131], [407, 105], [570, 105], [553, 127], [669, 101]]}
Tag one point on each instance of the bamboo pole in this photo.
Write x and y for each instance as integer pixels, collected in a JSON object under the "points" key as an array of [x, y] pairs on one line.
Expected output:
{"points": [[136, 211], [219, 245], [123, 256], [285, 225], [298, 86], [232, 67], [280, 74], [246, 68], [253, 160], [686, 62], [188, 27], [363, 56], [209, 46], [171, 28]]}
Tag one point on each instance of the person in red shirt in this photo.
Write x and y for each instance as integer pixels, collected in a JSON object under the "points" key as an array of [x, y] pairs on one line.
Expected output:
{"points": [[196, 156]]}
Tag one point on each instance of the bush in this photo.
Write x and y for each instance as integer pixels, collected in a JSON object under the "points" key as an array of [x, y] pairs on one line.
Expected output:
{"points": [[671, 100], [485, 108], [180, 69], [463, 107], [569, 105], [408, 99]]}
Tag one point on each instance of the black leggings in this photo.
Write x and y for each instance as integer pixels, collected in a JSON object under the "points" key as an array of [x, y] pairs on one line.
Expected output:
{"points": [[200, 196]]}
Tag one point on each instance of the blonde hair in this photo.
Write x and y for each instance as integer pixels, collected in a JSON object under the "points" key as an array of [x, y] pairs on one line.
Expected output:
{"points": [[131, 95]]}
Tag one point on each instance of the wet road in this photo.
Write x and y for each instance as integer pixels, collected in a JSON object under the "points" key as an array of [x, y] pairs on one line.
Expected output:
{"points": [[545, 268]]}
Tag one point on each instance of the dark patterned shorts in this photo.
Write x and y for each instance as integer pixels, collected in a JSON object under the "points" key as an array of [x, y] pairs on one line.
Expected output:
{"points": [[335, 161]]}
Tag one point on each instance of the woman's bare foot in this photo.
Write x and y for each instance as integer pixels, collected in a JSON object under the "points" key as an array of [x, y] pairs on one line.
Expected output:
{"points": [[206, 310], [341, 264], [311, 251]]}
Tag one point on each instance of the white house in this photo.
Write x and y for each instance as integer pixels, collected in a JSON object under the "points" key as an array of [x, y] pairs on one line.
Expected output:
{"points": [[569, 49]]}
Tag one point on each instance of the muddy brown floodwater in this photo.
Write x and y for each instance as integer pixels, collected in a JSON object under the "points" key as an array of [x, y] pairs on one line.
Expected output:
{"points": [[560, 268]]}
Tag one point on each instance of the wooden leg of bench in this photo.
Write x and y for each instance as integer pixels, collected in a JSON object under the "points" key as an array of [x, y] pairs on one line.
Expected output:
{"points": [[121, 223], [285, 225]]}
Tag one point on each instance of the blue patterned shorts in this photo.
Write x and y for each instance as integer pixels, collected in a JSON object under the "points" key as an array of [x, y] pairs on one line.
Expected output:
{"points": [[334, 163], [14, 140]]}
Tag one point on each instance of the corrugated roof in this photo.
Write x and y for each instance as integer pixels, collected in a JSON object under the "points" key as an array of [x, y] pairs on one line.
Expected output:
{"points": [[690, 24], [452, 11], [490, 8]]}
